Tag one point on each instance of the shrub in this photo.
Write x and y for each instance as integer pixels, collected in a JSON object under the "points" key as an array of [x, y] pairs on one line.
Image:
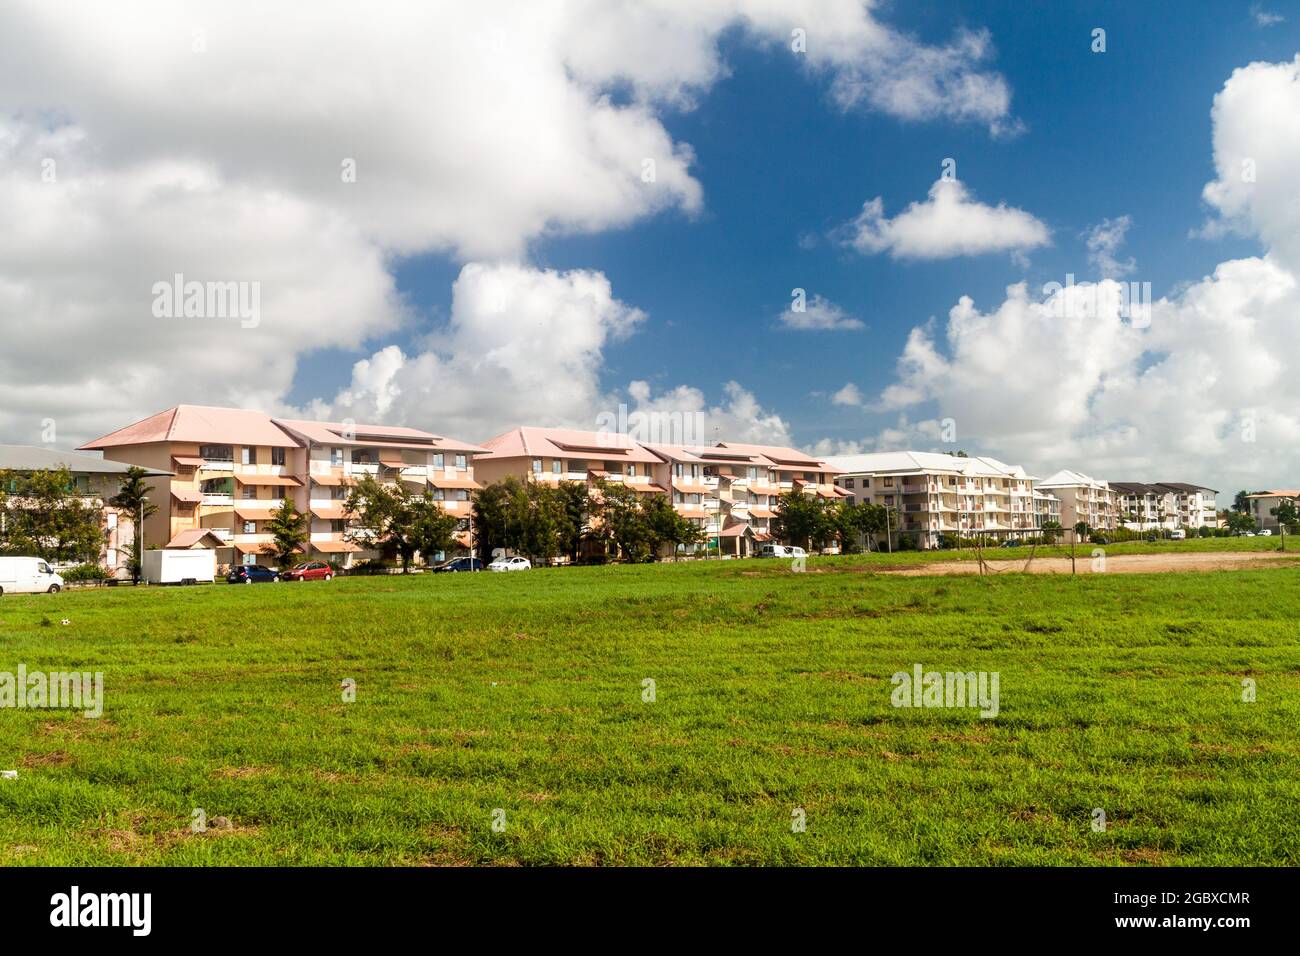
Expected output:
{"points": [[85, 573]]}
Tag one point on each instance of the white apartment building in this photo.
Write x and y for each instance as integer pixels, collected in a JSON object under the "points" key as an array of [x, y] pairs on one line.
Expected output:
{"points": [[1047, 509], [1083, 498], [929, 494], [1166, 505]]}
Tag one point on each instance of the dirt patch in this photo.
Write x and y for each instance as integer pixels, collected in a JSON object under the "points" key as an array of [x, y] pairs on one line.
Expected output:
{"points": [[1116, 564]]}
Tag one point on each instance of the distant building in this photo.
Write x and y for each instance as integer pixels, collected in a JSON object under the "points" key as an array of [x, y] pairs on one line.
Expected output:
{"points": [[1083, 498], [1166, 505], [930, 494], [1262, 503], [95, 480]]}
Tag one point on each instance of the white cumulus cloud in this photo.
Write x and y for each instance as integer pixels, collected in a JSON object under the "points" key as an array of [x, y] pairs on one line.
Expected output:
{"points": [[949, 223]]}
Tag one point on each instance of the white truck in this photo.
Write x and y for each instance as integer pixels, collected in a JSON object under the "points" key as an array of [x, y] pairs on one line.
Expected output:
{"points": [[180, 566], [28, 576]]}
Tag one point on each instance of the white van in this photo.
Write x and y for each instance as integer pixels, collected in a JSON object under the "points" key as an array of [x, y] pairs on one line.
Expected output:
{"points": [[28, 576], [1178, 534], [781, 551]]}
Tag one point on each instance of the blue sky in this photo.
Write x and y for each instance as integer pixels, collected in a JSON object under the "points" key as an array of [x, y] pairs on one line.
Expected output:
{"points": [[497, 260], [1126, 132]]}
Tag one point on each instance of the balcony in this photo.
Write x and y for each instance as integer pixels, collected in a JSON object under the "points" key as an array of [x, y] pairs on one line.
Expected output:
{"points": [[225, 500]]}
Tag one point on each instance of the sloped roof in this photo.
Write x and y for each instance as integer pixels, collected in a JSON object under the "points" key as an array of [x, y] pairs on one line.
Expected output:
{"points": [[776, 455], [1065, 478], [381, 436], [528, 441], [202, 424], [36, 458], [927, 461]]}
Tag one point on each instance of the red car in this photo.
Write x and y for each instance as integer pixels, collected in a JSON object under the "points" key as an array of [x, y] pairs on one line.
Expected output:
{"points": [[311, 571]]}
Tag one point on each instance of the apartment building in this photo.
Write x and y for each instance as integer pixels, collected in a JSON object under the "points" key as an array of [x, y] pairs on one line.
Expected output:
{"points": [[230, 469], [1165, 505], [1083, 498], [729, 489], [1262, 504], [95, 481], [929, 494], [1047, 510], [747, 481]]}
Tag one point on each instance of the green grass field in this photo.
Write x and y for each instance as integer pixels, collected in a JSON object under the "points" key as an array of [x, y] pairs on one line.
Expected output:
{"points": [[523, 693]]}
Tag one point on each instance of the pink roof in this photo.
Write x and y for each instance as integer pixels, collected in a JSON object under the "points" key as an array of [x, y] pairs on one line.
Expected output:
{"points": [[201, 424], [778, 455], [675, 452], [527, 441], [384, 436]]}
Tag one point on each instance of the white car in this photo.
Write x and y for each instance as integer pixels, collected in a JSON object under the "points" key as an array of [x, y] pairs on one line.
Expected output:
{"points": [[511, 564], [1266, 533]]}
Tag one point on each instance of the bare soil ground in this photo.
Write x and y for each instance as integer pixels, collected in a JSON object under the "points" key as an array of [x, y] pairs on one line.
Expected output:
{"points": [[1118, 564]]}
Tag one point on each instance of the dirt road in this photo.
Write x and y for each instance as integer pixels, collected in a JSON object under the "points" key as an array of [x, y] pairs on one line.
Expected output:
{"points": [[1115, 564]]}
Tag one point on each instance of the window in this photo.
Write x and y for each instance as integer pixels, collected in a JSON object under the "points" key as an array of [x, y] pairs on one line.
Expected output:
{"points": [[752, 474], [460, 462], [678, 470], [217, 452], [250, 455], [336, 525], [439, 460], [557, 466], [631, 470], [462, 494], [889, 482], [537, 466], [250, 527], [250, 492], [336, 457], [848, 483], [277, 456], [361, 457], [249, 559], [695, 471], [439, 494]]}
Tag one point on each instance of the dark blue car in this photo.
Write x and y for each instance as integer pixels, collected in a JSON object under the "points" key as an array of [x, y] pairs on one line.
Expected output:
{"points": [[252, 574], [459, 564]]}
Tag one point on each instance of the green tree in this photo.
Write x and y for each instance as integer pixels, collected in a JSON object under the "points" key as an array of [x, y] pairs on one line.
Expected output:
{"points": [[1239, 521], [380, 520], [667, 527], [45, 518], [433, 530], [133, 498], [289, 530], [1051, 531], [1287, 518], [624, 523], [801, 519]]}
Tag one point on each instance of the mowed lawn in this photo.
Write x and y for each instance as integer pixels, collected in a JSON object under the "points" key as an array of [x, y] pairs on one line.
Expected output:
{"points": [[523, 693]]}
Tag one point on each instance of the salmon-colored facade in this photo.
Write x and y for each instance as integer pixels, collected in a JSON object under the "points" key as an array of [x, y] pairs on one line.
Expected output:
{"points": [[233, 467]]}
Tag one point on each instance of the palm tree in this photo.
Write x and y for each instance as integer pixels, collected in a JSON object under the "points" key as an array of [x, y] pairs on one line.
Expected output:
{"points": [[133, 497]]}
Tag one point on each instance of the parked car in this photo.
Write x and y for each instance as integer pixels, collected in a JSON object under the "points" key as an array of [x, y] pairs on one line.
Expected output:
{"points": [[1266, 533], [310, 571], [252, 573], [1011, 543], [1178, 534], [28, 576], [458, 564], [511, 564]]}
